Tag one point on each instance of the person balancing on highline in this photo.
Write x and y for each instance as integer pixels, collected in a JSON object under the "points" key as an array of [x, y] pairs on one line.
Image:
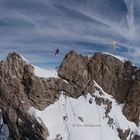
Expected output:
{"points": [[114, 44], [56, 51]]}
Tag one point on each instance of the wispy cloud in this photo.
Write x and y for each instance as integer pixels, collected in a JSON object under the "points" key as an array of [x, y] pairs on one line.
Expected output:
{"points": [[35, 28]]}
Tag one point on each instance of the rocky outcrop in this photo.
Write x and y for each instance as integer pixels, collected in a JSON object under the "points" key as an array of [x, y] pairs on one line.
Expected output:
{"points": [[20, 89], [118, 78], [123, 134], [14, 100]]}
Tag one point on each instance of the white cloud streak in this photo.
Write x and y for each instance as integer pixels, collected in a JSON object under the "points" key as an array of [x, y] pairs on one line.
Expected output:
{"points": [[36, 26]]}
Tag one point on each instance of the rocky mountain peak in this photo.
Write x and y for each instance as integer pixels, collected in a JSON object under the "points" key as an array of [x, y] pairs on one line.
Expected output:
{"points": [[116, 76], [14, 55], [14, 100], [21, 89]]}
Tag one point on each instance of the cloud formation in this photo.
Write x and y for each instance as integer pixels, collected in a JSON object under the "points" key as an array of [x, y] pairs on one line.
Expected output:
{"points": [[35, 28]]}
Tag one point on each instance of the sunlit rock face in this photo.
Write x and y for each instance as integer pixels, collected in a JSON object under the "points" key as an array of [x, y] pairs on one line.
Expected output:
{"points": [[21, 89], [14, 102], [117, 77]]}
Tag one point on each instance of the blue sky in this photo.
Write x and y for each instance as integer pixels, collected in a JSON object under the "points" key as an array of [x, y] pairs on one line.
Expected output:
{"points": [[35, 28]]}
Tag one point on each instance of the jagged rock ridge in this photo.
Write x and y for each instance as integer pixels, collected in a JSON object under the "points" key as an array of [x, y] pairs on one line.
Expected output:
{"points": [[118, 78], [20, 88]]}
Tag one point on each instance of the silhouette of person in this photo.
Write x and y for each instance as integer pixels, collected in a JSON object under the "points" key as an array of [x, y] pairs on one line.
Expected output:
{"points": [[57, 51]]}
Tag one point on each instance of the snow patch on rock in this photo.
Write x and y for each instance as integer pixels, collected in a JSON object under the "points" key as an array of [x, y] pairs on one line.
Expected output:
{"points": [[118, 57], [82, 118], [40, 72], [46, 73], [24, 59]]}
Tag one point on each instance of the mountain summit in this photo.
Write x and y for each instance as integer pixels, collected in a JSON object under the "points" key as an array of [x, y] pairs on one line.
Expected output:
{"points": [[95, 97]]}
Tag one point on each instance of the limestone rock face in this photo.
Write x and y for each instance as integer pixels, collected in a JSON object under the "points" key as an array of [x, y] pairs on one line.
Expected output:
{"points": [[74, 69], [14, 100], [118, 78], [20, 89]]}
